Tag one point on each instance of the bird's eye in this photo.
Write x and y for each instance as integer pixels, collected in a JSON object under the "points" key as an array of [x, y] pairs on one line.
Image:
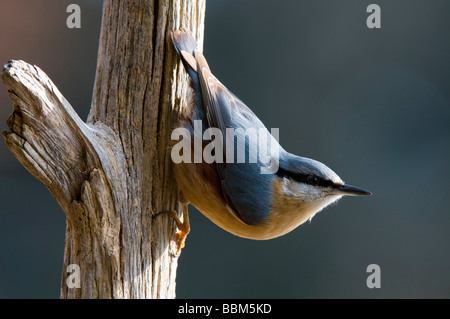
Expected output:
{"points": [[312, 180]]}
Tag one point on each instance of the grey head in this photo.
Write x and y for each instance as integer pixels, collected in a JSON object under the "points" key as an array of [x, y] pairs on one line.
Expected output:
{"points": [[313, 180]]}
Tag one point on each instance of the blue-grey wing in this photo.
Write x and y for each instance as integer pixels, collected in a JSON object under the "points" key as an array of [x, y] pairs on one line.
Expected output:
{"points": [[246, 189]]}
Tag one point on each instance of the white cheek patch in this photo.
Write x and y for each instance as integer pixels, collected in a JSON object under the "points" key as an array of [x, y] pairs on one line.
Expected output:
{"points": [[314, 196], [330, 200], [308, 200], [325, 202], [307, 192]]}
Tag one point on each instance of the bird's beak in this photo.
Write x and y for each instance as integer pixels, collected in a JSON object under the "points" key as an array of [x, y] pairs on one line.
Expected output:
{"points": [[350, 190]]}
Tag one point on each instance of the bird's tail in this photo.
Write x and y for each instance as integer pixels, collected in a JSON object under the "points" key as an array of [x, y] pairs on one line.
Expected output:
{"points": [[185, 45]]}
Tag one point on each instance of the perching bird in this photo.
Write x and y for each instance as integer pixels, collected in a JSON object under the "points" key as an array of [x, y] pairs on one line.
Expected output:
{"points": [[238, 197]]}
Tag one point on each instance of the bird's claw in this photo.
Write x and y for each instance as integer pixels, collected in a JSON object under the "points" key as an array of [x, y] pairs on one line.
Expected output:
{"points": [[183, 226]]}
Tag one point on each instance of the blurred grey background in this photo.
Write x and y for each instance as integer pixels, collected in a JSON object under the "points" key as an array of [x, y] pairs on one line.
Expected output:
{"points": [[373, 104]]}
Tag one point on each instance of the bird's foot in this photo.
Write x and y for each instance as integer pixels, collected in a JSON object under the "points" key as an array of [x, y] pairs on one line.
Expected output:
{"points": [[183, 226]]}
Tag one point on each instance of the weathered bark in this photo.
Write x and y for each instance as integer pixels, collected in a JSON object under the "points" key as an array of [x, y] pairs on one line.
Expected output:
{"points": [[111, 174]]}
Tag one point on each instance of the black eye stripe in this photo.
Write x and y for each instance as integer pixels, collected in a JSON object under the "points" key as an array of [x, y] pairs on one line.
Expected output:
{"points": [[313, 180], [305, 178]]}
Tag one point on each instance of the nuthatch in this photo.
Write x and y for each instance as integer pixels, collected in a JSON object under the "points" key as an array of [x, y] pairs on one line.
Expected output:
{"points": [[234, 195]]}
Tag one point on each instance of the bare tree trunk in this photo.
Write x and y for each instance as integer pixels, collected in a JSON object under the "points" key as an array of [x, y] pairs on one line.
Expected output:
{"points": [[112, 174]]}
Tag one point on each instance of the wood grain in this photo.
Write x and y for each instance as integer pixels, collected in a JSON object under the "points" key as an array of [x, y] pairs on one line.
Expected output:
{"points": [[112, 173]]}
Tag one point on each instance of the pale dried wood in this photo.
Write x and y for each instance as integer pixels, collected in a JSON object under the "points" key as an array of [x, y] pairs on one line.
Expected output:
{"points": [[111, 174]]}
